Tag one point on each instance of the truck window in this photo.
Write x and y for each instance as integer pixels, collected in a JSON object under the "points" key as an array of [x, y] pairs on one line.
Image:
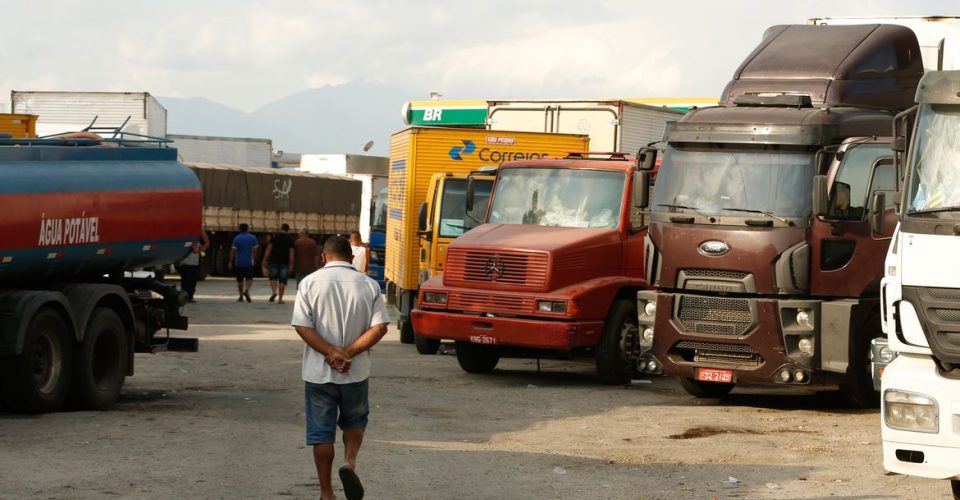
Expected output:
{"points": [[935, 182], [454, 220], [856, 169], [884, 181], [566, 197]]}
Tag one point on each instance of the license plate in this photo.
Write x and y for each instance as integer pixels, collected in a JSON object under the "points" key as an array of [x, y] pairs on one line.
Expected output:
{"points": [[483, 339], [715, 375]]}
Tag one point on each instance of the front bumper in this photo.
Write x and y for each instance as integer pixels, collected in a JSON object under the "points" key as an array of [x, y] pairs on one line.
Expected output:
{"points": [[506, 331], [930, 455]]}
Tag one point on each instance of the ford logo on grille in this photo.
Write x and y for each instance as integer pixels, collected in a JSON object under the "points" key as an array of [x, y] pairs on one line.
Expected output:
{"points": [[493, 268], [714, 248]]}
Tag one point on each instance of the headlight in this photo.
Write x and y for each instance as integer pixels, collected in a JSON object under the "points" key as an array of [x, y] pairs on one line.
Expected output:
{"points": [[887, 354], [803, 318], [648, 335], [910, 412], [551, 306], [434, 298], [650, 308], [805, 344]]}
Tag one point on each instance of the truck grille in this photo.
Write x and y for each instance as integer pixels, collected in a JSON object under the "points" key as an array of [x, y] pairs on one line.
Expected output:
{"points": [[715, 273], [715, 315], [738, 354], [485, 302], [939, 312], [513, 268]]}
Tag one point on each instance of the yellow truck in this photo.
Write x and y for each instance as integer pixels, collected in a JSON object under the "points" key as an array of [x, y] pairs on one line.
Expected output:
{"points": [[417, 154], [19, 126]]}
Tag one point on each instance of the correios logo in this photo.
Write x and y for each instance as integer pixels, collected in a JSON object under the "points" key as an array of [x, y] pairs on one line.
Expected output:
{"points": [[487, 154]]}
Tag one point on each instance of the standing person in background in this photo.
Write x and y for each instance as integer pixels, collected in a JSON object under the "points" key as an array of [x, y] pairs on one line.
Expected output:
{"points": [[340, 315], [278, 261], [190, 265], [307, 258], [242, 258], [361, 257]]}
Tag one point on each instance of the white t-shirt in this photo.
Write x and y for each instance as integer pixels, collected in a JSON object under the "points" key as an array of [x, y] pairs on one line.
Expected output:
{"points": [[360, 258], [340, 303]]}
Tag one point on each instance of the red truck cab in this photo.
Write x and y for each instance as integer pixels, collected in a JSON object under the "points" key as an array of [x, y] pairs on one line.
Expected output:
{"points": [[554, 269]]}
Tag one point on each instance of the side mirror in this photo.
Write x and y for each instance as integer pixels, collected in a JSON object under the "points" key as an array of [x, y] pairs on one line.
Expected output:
{"points": [[820, 195], [840, 200], [422, 217], [877, 212], [646, 158], [470, 195], [641, 191]]}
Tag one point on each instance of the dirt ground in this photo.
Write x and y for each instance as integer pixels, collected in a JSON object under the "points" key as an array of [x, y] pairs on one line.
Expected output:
{"points": [[227, 422]]}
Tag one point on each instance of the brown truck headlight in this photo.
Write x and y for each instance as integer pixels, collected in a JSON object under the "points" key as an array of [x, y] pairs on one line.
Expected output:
{"points": [[435, 298]]}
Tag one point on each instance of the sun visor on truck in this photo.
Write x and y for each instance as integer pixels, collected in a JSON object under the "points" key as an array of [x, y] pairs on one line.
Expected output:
{"points": [[869, 65]]}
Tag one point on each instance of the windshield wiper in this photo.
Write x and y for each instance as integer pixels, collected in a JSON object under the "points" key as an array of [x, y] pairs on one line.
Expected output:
{"points": [[761, 212], [934, 210], [693, 209]]}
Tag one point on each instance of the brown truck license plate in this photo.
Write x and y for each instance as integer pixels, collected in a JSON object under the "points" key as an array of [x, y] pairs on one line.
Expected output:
{"points": [[715, 375]]}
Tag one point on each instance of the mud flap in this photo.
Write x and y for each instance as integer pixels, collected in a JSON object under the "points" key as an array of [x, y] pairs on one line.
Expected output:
{"points": [[840, 322]]}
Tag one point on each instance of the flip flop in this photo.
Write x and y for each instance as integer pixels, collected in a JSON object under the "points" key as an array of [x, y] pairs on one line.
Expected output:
{"points": [[273, 297], [352, 487]]}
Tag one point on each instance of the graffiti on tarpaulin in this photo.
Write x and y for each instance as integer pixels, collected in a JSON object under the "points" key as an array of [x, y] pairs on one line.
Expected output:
{"points": [[281, 189]]}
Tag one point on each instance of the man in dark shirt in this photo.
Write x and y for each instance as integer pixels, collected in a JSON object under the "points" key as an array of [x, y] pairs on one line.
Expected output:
{"points": [[307, 255], [279, 262]]}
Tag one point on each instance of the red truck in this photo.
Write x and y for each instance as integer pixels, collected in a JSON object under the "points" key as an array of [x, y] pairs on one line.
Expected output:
{"points": [[773, 213], [554, 269]]}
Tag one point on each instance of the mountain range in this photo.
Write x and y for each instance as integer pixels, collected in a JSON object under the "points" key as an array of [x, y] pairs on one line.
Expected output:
{"points": [[334, 119]]}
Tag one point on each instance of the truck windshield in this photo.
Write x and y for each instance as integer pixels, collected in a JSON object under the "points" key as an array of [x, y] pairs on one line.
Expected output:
{"points": [[935, 180], [379, 215], [725, 182], [454, 218], [565, 197]]}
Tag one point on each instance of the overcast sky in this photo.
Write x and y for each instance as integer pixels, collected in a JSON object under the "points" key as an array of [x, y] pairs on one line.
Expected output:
{"points": [[246, 53]]}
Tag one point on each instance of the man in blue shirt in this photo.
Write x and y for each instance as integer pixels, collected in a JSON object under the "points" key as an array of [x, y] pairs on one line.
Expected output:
{"points": [[242, 257]]}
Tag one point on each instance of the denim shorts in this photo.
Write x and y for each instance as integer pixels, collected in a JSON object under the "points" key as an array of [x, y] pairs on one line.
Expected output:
{"points": [[323, 403], [280, 272]]}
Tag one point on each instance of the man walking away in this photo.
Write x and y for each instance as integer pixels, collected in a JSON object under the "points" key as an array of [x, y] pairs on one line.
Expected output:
{"points": [[361, 258], [339, 314], [242, 258], [306, 255], [278, 261], [190, 265]]}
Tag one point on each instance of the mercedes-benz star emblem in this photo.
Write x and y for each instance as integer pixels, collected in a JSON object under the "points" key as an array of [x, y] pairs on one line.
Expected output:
{"points": [[493, 268]]}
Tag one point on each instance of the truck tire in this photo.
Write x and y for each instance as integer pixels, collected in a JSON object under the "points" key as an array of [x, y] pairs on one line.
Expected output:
{"points": [[476, 358], [100, 366], [712, 390], [858, 387], [955, 489], [426, 345], [406, 332], [620, 335], [37, 381]]}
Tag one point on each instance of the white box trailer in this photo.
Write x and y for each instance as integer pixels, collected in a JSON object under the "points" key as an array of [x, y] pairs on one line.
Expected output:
{"points": [[242, 151], [72, 111], [372, 171], [939, 44], [615, 125]]}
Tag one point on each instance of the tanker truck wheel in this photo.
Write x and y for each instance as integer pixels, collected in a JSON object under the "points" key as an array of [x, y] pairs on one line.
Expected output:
{"points": [[37, 381], [955, 488], [713, 390], [619, 343], [476, 358], [407, 336], [101, 363], [426, 345]]}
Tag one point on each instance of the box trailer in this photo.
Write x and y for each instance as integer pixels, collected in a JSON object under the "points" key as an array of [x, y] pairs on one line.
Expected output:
{"points": [[242, 151], [614, 125], [135, 112]]}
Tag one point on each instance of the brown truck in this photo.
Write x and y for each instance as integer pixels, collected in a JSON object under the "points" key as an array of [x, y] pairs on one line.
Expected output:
{"points": [[766, 240]]}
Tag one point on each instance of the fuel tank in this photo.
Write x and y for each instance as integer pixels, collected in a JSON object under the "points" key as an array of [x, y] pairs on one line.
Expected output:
{"points": [[75, 210]]}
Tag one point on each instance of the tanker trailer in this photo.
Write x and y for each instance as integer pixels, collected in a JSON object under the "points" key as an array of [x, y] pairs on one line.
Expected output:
{"points": [[78, 211]]}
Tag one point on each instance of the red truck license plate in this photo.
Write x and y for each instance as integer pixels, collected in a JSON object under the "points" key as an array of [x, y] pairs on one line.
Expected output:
{"points": [[483, 339], [714, 375]]}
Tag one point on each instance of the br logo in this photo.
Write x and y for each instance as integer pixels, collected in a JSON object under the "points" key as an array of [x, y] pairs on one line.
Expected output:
{"points": [[456, 152]]}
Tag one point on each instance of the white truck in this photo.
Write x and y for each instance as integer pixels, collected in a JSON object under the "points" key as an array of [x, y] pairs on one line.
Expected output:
{"points": [[372, 171], [242, 151], [614, 125], [59, 112]]}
